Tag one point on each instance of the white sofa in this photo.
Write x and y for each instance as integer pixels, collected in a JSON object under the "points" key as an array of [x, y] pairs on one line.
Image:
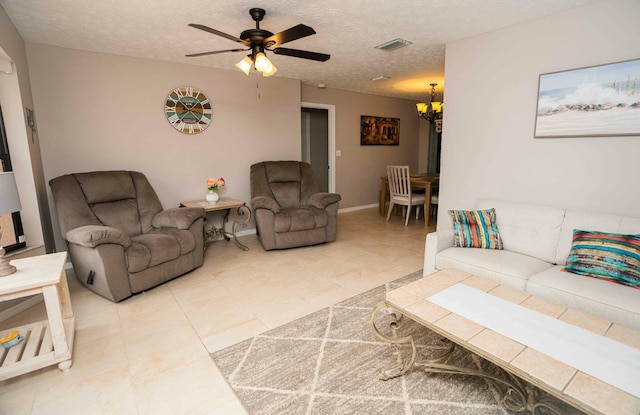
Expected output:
{"points": [[537, 240]]}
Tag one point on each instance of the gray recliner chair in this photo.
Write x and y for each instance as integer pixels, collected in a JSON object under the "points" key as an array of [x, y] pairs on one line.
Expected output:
{"points": [[119, 238], [289, 209]]}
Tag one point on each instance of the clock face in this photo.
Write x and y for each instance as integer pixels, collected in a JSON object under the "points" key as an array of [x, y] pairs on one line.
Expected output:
{"points": [[188, 110]]}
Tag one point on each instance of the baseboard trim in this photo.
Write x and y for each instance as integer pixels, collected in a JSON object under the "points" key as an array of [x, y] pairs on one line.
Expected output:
{"points": [[356, 208], [20, 307], [345, 210], [27, 251], [247, 232]]}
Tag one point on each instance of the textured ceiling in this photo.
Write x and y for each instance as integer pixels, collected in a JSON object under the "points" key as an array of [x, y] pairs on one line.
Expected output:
{"points": [[348, 30]]}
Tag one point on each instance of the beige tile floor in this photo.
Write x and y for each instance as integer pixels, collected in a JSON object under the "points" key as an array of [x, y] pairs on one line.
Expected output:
{"points": [[149, 354]]}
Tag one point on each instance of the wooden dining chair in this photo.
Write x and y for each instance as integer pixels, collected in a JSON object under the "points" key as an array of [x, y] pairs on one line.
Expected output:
{"points": [[400, 192], [434, 203]]}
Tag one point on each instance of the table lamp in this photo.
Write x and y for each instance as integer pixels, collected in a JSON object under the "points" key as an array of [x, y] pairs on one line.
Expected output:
{"points": [[9, 203]]}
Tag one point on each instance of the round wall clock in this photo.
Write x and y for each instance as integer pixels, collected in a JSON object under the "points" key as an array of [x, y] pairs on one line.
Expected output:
{"points": [[188, 110]]}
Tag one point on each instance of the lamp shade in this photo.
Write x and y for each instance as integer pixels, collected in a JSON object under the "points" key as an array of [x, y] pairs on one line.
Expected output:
{"points": [[422, 107], [245, 65], [262, 63], [271, 71], [9, 198]]}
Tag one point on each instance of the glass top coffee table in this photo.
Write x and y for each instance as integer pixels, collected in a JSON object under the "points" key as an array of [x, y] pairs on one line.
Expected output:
{"points": [[579, 359]]}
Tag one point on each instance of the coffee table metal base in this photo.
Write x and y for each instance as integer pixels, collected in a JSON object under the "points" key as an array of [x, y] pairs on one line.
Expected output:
{"points": [[516, 395], [224, 205]]}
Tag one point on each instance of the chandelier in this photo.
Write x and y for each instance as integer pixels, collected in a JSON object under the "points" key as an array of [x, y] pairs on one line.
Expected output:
{"points": [[432, 111]]}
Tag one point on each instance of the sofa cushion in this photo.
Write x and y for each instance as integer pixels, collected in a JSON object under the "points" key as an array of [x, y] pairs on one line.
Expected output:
{"points": [[505, 267], [92, 236], [180, 218], [185, 238], [120, 214], [292, 220], [284, 180], [610, 256], [475, 229], [283, 171], [287, 194], [528, 229], [151, 249], [611, 301], [106, 186], [592, 221]]}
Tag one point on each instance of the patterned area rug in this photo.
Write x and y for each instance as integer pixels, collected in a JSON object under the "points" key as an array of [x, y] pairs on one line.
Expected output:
{"points": [[327, 363]]}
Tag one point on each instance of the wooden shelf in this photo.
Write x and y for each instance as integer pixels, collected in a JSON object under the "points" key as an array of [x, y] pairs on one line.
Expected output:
{"points": [[36, 350], [46, 342]]}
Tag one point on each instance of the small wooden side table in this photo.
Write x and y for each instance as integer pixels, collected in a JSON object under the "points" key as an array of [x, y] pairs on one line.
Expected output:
{"points": [[49, 341], [224, 204]]}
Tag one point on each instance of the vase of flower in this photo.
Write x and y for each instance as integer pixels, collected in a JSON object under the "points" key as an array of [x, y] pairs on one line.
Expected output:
{"points": [[214, 186], [212, 196]]}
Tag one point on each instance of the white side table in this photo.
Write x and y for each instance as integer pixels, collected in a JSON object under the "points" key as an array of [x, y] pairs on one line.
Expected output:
{"points": [[49, 341]]}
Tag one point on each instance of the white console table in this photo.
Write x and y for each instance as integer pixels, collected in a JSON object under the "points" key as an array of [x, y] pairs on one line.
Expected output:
{"points": [[46, 342]]}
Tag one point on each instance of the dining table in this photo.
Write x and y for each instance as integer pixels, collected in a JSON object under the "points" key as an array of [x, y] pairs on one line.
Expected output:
{"points": [[427, 181]]}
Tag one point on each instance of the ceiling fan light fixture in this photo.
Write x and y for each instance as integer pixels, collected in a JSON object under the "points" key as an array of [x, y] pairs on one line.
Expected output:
{"points": [[262, 63], [270, 72], [258, 40], [245, 64]]}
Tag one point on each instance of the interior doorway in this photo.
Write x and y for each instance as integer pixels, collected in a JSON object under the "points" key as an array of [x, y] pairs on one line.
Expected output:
{"points": [[318, 142], [435, 149]]}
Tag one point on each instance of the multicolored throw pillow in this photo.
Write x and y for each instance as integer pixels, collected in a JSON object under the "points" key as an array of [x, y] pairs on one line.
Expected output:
{"points": [[610, 256], [475, 229]]}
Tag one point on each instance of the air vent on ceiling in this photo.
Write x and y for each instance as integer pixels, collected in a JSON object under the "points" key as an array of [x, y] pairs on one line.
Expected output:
{"points": [[393, 44], [381, 78]]}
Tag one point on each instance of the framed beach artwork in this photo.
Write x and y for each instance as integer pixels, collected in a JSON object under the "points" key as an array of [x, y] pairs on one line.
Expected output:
{"points": [[601, 100], [379, 131]]}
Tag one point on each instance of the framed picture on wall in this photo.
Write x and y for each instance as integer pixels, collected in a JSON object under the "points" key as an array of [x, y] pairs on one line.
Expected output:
{"points": [[379, 131], [601, 100]]}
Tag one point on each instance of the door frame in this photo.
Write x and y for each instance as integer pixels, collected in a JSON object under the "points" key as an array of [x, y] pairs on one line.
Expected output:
{"points": [[331, 139]]}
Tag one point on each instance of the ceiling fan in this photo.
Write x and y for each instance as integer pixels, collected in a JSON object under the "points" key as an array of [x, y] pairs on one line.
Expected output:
{"points": [[257, 41]]}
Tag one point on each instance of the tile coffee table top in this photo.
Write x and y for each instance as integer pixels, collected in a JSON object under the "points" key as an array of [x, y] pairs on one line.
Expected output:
{"points": [[565, 382]]}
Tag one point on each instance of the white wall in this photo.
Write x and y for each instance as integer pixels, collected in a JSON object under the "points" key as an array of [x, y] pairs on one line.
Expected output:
{"points": [[15, 95], [359, 169], [100, 112], [105, 112], [488, 149]]}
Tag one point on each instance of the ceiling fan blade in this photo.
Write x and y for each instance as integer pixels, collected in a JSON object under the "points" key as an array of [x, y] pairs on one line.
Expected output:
{"points": [[214, 52], [219, 33], [293, 33], [315, 56]]}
